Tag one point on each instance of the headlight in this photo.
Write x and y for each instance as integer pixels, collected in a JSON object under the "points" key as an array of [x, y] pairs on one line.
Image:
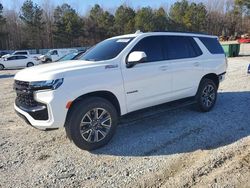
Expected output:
{"points": [[49, 84]]}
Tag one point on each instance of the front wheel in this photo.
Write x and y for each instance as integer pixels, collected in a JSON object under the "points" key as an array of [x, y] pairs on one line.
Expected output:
{"points": [[92, 123], [206, 95], [48, 61], [30, 64], [1, 67]]}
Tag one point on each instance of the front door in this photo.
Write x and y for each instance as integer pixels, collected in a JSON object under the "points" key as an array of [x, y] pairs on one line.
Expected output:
{"points": [[148, 83]]}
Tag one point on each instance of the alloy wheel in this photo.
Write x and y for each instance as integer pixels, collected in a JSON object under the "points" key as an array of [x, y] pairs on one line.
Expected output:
{"points": [[208, 95], [95, 125]]}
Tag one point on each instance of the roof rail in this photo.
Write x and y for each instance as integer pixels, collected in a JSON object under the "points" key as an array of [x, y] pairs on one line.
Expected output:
{"points": [[176, 31], [138, 32]]}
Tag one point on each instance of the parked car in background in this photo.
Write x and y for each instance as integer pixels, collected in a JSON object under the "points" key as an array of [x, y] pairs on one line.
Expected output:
{"points": [[71, 56], [23, 52], [55, 54], [118, 76], [17, 61], [2, 53]]}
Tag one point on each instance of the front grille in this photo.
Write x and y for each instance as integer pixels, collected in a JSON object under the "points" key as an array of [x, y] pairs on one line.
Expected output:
{"points": [[25, 100], [25, 95]]}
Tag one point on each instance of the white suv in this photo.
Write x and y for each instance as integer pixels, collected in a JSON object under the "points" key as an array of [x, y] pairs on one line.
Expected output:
{"points": [[117, 76]]}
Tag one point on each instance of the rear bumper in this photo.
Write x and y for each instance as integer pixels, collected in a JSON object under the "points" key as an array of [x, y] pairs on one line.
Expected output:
{"points": [[222, 76]]}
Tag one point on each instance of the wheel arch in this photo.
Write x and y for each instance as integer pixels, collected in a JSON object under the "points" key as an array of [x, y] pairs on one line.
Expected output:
{"points": [[2, 65], [102, 94], [30, 62], [212, 76]]}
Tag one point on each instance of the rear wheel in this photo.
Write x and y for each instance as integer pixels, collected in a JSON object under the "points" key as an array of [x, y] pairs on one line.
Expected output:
{"points": [[30, 64], [1, 67], [92, 123], [206, 95]]}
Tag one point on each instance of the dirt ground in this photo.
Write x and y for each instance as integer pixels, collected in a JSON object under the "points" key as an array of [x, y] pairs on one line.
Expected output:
{"points": [[171, 145]]}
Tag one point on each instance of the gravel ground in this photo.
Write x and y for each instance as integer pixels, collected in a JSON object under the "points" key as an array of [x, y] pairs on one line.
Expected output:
{"points": [[171, 145]]}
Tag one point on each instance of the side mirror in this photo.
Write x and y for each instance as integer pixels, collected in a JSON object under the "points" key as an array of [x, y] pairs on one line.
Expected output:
{"points": [[135, 58]]}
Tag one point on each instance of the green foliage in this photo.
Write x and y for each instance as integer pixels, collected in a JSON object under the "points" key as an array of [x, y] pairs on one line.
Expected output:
{"points": [[124, 20], [144, 19], [2, 19], [31, 15], [66, 28], [2, 23], [68, 25], [189, 17], [160, 20], [99, 24], [244, 6]]}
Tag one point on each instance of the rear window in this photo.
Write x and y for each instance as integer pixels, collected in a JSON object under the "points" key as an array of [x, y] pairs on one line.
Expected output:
{"points": [[212, 44]]}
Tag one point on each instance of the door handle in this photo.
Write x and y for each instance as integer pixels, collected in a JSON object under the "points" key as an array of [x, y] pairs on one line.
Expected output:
{"points": [[196, 64], [164, 68]]}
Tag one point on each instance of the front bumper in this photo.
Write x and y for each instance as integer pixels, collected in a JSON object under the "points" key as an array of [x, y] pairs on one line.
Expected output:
{"points": [[55, 109]]}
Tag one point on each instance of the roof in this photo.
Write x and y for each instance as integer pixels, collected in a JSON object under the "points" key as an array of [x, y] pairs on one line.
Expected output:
{"points": [[138, 33]]}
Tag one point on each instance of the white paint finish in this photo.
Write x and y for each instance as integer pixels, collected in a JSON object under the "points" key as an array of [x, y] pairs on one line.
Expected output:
{"points": [[147, 84], [144, 85], [136, 56], [17, 63]]}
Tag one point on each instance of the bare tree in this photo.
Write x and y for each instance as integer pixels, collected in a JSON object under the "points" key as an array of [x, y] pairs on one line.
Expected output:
{"points": [[48, 8]]}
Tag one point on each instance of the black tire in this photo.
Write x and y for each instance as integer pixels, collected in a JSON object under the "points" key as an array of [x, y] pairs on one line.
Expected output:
{"points": [[76, 125], [206, 95], [1, 67], [48, 61], [30, 64]]}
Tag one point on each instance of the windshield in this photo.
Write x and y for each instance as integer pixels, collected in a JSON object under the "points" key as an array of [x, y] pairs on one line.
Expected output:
{"points": [[107, 49], [48, 53], [68, 57]]}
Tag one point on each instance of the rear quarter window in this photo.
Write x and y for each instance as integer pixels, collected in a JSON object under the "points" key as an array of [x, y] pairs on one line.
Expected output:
{"points": [[212, 44]]}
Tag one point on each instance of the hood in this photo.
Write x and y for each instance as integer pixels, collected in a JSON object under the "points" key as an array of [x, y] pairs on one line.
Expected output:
{"points": [[5, 56], [54, 70]]}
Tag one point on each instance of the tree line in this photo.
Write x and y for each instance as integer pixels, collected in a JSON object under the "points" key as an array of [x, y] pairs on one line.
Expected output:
{"points": [[48, 27]]}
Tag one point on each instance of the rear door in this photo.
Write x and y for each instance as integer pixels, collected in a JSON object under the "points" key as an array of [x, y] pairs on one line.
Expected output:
{"points": [[148, 83], [185, 56]]}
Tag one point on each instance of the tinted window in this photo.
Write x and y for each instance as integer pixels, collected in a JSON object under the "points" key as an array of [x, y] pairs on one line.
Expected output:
{"points": [[68, 57], [179, 47], [212, 44], [152, 46], [21, 53], [21, 57], [107, 49], [11, 58], [54, 52], [194, 47], [79, 55]]}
